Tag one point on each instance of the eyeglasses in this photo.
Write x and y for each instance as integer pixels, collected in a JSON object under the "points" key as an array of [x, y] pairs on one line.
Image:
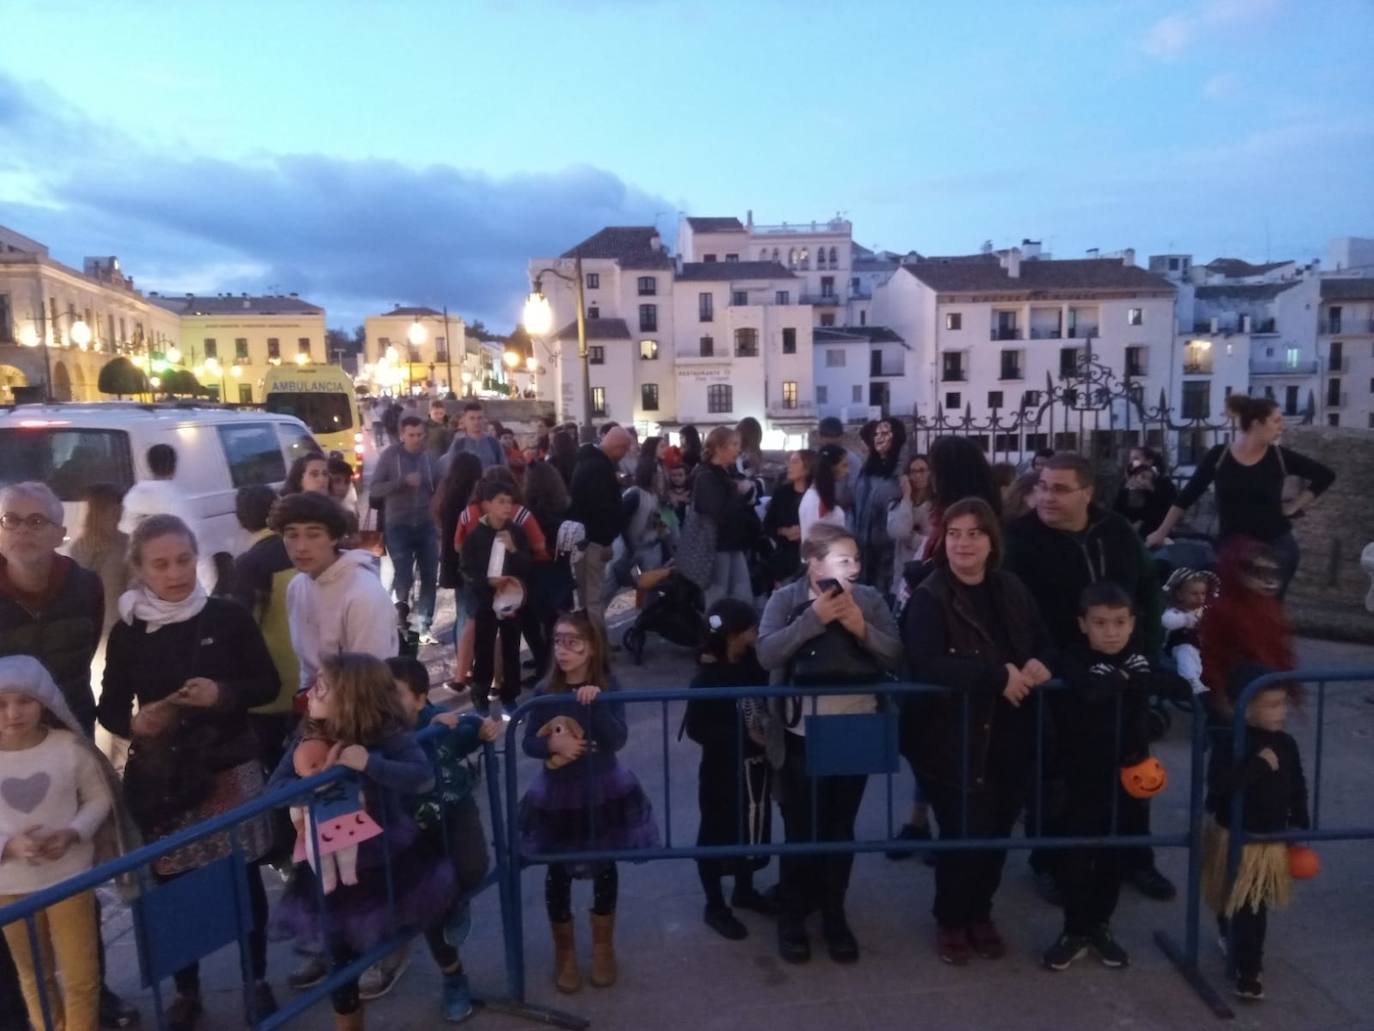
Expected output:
{"points": [[13, 521], [1059, 490], [570, 642]]}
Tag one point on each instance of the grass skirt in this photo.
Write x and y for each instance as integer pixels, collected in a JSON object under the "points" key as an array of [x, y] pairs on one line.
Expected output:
{"points": [[1263, 877]]}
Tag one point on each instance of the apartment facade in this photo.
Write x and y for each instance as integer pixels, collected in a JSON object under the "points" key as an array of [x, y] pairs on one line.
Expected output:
{"points": [[1345, 351], [408, 349]]}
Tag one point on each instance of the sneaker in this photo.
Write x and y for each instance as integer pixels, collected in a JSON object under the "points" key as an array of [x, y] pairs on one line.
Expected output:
{"points": [[725, 923], [793, 945], [986, 940], [1152, 884], [427, 637], [310, 971], [508, 712], [1047, 887], [264, 1002], [764, 904], [382, 976], [457, 999], [115, 1012], [183, 1014], [1063, 952], [1108, 951], [909, 832], [1248, 988], [839, 939], [951, 945]]}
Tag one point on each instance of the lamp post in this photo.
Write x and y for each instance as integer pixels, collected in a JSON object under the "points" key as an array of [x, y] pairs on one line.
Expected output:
{"points": [[79, 331], [538, 321]]}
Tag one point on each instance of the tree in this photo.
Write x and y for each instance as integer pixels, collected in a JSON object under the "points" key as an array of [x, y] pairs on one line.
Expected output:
{"points": [[181, 382], [119, 376]]}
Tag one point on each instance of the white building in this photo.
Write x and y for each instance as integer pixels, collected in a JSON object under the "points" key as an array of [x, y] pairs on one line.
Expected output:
{"points": [[1345, 349]]}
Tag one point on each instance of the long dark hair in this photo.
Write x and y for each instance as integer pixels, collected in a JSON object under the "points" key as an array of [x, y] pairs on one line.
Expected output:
{"points": [[646, 469], [563, 454], [883, 466], [545, 492], [297, 473], [455, 493], [691, 445], [959, 469], [727, 617], [823, 475]]}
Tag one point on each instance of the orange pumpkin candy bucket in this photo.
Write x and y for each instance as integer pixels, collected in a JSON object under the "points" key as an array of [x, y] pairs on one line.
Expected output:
{"points": [[1144, 779]]}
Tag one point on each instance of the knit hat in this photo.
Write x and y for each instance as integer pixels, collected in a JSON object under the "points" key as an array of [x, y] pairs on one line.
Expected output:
{"points": [[1183, 574]]}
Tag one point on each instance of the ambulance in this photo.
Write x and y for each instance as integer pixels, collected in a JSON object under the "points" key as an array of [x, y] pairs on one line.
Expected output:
{"points": [[322, 397]]}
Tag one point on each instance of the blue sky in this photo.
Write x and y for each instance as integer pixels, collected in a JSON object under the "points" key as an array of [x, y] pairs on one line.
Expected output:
{"points": [[365, 153]]}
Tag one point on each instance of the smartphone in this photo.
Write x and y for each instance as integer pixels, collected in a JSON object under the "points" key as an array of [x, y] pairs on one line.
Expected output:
{"points": [[830, 586]]}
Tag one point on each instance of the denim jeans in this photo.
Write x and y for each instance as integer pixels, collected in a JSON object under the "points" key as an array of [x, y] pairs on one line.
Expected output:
{"points": [[408, 545]]}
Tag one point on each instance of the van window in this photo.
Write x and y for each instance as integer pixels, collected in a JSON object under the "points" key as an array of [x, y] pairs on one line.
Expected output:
{"points": [[295, 443], [321, 412], [65, 459], [254, 454]]}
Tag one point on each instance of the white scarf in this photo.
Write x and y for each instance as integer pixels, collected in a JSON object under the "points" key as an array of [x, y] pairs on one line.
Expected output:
{"points": [[140, 603]]}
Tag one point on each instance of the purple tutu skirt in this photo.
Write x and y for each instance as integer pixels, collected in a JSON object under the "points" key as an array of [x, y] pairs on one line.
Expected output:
{"points": [[570, 810], [358, 914]]}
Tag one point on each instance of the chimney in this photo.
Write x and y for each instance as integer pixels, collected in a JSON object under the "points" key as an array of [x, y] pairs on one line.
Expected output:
{"points": [[1013, 263], [749, 218], [1128, 257]]}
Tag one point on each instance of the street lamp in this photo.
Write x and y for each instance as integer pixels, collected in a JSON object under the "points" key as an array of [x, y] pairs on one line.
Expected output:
{"points": [[79, 332], [302, 358], [174, 354], [538, 321]]}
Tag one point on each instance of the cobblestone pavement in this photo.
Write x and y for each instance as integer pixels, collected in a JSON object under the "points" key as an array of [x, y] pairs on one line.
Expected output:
{"points": [[675, 973]]}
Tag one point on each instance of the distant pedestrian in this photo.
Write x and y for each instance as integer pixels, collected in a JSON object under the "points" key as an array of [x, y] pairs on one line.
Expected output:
{"points": [[596, 505], [406, 477], [475, 439]]}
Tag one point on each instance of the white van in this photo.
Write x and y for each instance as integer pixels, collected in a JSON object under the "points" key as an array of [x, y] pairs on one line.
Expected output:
{"points": [[68, 446]]}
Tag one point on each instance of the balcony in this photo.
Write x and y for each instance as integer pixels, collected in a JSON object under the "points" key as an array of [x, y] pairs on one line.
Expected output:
{"points": [[1198, 366], [1337, 364], [953, 376], [1282, 367], [1005, 333], [1082, 332], [860, 293], [824, 300], [1011, 372], [1348, 327], [1263, 327], [1337, 399], [1046, 333], [886, 370], [795, 410]]}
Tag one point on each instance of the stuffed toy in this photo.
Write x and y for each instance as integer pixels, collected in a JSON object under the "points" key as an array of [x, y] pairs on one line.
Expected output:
{"points": [[557, 727], [341, 822]]}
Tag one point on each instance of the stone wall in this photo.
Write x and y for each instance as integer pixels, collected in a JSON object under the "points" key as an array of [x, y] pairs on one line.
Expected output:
{"points": [[1327, 596]]}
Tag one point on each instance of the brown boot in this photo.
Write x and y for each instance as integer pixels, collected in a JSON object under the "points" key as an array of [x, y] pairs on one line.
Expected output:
{"points": [[566, 976], [349, 1021], [603, 950]]}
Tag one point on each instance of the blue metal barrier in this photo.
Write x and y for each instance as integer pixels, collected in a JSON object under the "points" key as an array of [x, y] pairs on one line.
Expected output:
{"points": [[1185, 958]]}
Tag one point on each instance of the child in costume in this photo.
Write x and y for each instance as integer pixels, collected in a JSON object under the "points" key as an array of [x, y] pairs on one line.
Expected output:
{"points": [[60, 815], [581, 798], [1189, 591], [341, 821]]}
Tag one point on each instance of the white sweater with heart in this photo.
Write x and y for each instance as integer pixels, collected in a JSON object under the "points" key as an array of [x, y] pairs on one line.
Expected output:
{"points": [[55, 785]]}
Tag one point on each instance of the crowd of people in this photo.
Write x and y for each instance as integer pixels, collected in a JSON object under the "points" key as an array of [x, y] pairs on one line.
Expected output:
{"points": [[852, 569]]}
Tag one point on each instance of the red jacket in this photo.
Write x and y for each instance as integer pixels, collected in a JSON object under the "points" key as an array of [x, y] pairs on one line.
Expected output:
{"points": [[524, 518]]}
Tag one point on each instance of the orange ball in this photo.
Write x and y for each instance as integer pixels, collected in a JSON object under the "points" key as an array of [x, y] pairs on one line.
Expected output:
{"points": [[1145, 779], [1303, 863]]}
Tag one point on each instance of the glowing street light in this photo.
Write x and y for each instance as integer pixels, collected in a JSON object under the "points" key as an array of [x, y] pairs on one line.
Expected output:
{"points": [[531, 363], [302, 358], [417, 333], [81, 334], [174, 354], [537, 317], [511, 358], [236, 371]]}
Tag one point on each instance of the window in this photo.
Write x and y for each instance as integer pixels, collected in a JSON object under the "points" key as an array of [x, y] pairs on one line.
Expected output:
{"points": [[746, 343], [293, 441], [7, 324], [596, 355], [648, 286], [706, 307], [241, 349], [593, 311], [739, 298], [1068, 362], [593, 280], [274, 348], [994, 399], [875, 362], [789, 340], [303, 345], [1173, 264], [1337, 359], [648, 350], [952, 366], [440, 349], [245, 394], [1135, 317], [1005, 328], [67, 460], [720, 398], [1333, 419], [1197, 399], [1333, 319], [1290, 400], [1136, 362], [879, 396], [413, 353], [254, 454], [827, 286], [782, 297], [954, 320], [789, 393], [1030, 399], [1333, 392], [820, 258], [953, 399], [708, 347], [598, 400], [832, 257], [321, 412], [1011, 365], [648, 397], [828, 319], [211, 348], [648, 318], [732, 257], [708, 257], [857, 393], [834, 358], [823, 396]]}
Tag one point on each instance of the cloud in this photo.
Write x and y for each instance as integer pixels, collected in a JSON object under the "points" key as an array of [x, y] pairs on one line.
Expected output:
{"points": [[1174, 34], [1222, 86], [353, 234]]}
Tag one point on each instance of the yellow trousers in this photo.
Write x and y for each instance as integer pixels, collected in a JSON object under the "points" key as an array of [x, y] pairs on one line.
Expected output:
{"points": [[68, 942]]}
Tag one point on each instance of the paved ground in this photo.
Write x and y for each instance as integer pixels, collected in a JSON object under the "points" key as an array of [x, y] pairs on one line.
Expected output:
{"points": [[675, 973]]}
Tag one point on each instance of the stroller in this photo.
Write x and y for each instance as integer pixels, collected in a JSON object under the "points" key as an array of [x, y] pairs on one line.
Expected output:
{"points": [[674, 609], [1195, 551]]}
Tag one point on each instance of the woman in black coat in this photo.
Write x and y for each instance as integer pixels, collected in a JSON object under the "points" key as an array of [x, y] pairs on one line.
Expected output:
{"points": [[781, 523], [195, 665], [973, 628]]}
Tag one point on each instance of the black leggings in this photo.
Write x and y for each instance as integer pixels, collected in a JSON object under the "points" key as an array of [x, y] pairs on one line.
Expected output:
{"points": [[1249, 926], [187, 979], [558, 891]]}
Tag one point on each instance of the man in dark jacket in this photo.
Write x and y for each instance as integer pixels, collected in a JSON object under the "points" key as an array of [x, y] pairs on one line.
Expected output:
{"points": [[596, 505], [54, 610], [407, 476], [1058, 549], [438, 433]]}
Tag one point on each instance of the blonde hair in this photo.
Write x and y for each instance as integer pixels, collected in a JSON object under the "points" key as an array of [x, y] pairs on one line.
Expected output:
{"points": [[365, 704]]}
